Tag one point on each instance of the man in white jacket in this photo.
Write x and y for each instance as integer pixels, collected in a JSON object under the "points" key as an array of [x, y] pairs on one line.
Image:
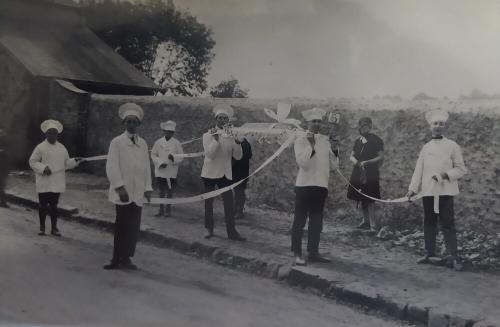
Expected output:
{"points": [[49, 161], [439, 166], [129, 173], [312, 153], [166, 164], [217, 169]]}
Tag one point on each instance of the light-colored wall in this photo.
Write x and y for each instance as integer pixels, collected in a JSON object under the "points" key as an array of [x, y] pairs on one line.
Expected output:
{"points": [[476, 127]]}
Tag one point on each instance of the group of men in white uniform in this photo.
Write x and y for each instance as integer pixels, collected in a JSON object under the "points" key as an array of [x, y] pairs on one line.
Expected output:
{"points": [[439, 166]]}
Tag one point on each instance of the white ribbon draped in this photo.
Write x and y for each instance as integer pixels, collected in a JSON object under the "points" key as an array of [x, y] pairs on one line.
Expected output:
{"points": [[215, 193], [291, 135]]}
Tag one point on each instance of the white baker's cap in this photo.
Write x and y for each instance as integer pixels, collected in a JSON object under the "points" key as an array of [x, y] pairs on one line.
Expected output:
{"points": [[168, 125], [51, 123], [130, 109]]}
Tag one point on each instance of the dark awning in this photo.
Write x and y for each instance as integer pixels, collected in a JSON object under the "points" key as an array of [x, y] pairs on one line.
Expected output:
{"points": [[67, 50]]}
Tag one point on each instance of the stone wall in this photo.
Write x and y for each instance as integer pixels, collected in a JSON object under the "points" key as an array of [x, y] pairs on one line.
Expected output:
{"points": [[474, 125], [15, 101]]}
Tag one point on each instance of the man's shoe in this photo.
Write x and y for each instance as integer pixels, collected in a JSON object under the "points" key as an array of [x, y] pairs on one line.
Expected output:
{"points": [[317, 258], [237, 237], [435, 260], [41, 233], [167, 214], [4, 205], [112, 266], [129, 265], [55, 232], [159, 214], [210, 234], [363, 225], [430, 258], [299, 261]]}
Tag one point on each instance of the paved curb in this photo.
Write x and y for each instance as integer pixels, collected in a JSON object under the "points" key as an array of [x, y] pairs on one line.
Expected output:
{"points": [[354, 293]]}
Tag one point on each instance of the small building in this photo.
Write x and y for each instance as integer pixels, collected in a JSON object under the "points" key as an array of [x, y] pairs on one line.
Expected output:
{"points": [[50, 63]]}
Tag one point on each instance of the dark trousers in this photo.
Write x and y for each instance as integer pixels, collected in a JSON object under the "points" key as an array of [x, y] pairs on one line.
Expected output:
{"points": [[227, 197], [165, 190], [47, 204], [240, 197], [127, 224], [447, 221], [309, 201]]}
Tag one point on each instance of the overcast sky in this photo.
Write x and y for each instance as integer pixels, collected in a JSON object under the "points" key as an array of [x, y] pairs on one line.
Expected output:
{"points": [[324, 48]]}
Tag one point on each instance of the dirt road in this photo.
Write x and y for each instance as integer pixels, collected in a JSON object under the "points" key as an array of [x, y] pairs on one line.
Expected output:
{"points": [[48, 280]]}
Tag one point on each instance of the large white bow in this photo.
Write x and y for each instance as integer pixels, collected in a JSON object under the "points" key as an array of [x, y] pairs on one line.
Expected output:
{"points": [[281, 113]]}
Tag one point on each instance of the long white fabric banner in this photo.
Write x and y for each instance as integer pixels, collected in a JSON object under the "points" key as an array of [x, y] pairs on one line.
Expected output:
{"points": [[252, 133], [215, 193]]}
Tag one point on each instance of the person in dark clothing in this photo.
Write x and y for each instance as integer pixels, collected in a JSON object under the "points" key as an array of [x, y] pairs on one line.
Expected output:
{"points": [[241, 170], [367, 156]]}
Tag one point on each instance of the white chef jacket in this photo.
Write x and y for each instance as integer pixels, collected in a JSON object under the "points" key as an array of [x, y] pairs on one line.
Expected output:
{"points": [[438, 156], [56, 157], [128, 165], [315, 170], [159, 154], [218, 156]]}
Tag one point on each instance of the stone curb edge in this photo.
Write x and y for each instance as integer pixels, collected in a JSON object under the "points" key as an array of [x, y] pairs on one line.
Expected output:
{"points": [[349, 293]]}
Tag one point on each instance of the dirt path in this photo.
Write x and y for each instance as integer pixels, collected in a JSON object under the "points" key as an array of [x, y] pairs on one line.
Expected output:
{"points": [[48, 281]]}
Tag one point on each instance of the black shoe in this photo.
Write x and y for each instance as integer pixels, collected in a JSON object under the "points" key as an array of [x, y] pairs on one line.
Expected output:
{"points": [[4, 205], [237, 237], [55, 232], [317, 258], [112, 266], [129, 265]]}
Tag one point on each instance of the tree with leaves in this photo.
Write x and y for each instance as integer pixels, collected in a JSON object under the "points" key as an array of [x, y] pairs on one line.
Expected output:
{"points": [[229, 89], [167, 44]]}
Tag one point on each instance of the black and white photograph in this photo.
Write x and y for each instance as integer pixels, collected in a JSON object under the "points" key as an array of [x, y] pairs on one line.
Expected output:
{"points": [[250, 163]]}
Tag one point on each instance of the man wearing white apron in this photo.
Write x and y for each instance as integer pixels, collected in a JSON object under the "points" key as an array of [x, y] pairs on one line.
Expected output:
{"points": [[49, 161], [166, 164], [129, 173], [312, 153], [439, 166]]}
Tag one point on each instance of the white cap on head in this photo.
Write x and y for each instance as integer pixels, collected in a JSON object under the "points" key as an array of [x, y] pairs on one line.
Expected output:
{"points": [[168, 125], [51, 123], [314, 113], [436, 115], [223, 109], [130, 109]]}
